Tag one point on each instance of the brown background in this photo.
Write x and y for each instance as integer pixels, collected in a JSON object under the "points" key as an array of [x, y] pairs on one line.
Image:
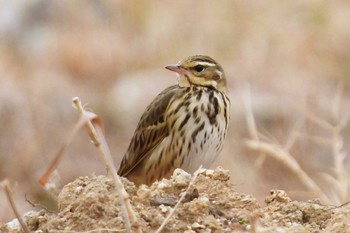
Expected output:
{"points": [[112, 54]]}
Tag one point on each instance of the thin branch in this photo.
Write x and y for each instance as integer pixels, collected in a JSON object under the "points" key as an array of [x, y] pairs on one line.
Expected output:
{"points": [[91, 129], [312, 116], [284, 157], [253, 132], [96, 135], [292, 136], [339, 153], [36, 205], [251, 124], [342, 205], [180, 201], [6, 187], [54, 163]]}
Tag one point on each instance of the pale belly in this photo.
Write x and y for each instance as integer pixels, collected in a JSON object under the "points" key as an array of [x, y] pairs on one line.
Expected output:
{"points": [[197, 136], [205, 147]]}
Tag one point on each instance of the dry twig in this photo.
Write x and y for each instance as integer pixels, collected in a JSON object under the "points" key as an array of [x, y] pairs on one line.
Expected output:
{"points": [[180, 200], [251, 124], [284, 157], [96, 135], [6, 187], [36, 205], [52, 166]]}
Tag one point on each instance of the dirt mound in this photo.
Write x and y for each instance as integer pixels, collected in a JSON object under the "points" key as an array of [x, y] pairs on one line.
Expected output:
{"points": [[211, 205]]}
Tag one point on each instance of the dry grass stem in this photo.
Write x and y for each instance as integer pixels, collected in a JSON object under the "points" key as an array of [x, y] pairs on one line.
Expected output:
{"points": [[267, 145], [339, 181], [99, 141], [88, 124], [35, 205], [312, 116], [267, 137], [6, 187], [90, 127], [252, 129], [284, 157], [292, 136], [179, 201], [52, 166], [339, 155]]}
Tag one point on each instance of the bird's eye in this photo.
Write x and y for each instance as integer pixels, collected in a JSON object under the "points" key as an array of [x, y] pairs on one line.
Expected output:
{"points": [[199, 68]]}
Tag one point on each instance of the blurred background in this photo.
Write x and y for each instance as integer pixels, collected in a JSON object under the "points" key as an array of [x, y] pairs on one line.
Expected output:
{"points": [[293, 57]]}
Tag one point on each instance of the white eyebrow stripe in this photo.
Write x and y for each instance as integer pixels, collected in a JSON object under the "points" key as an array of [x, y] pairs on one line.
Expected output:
{"points": [[203, 63]]}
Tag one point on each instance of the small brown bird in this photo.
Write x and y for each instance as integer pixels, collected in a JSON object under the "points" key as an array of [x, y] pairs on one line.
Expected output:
{"points": [[185, 125]]}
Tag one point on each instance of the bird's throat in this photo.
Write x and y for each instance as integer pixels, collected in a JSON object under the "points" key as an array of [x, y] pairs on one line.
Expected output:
{"points": [[184, 81]]}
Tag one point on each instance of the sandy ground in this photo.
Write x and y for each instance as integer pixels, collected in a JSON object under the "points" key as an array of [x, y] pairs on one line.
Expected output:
{"points": [[211, 205], [294, 56]]}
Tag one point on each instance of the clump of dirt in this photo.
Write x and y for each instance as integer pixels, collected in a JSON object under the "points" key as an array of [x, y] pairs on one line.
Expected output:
{"points": [[211, 205]]}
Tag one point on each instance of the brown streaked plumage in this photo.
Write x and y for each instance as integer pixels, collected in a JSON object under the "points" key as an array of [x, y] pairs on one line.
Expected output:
{"points": [[183, 127]]}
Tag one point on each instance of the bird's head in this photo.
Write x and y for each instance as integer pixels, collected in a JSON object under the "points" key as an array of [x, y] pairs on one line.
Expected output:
{"points": [[200, 70]]}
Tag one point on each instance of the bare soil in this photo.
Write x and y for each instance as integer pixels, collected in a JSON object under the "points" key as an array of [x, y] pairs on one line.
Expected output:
{"points": [[211, 205]]}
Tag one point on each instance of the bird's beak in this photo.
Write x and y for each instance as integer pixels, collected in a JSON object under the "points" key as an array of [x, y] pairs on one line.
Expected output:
{"points": [[176, 68]]}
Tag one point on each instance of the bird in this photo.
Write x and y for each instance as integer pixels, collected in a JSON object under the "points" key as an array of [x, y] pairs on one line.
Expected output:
{"points": [[183, 127]]}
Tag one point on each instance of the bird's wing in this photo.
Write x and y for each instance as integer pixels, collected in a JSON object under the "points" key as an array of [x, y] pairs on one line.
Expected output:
{"points": [[151, 130]]}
